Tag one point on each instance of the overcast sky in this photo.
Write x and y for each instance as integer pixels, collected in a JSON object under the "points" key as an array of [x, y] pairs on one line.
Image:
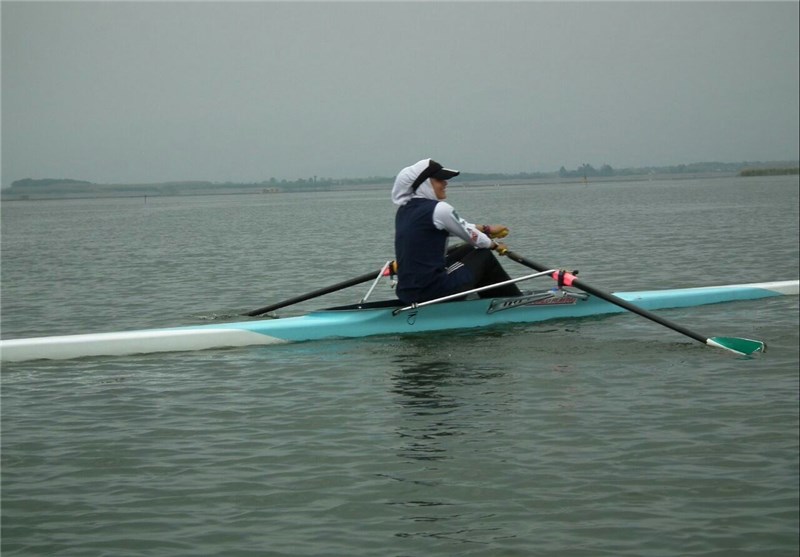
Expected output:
{"points": [[141, 92]]}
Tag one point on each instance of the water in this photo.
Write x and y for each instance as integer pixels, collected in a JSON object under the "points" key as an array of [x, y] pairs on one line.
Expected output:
{"points": [[606, 436]]}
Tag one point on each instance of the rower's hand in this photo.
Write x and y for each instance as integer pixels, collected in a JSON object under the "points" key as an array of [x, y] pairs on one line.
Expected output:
{"points": [[496, 230]]}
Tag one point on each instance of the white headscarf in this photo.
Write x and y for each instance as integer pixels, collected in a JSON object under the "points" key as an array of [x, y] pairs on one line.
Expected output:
{"points": [[402, 192]]}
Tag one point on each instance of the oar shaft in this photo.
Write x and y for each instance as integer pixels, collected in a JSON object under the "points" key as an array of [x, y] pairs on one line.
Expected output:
{"points": [[316, 293], [578, 283]]}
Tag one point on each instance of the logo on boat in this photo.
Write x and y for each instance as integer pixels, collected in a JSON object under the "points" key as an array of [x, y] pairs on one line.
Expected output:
{"points": [[542, 299], [554, 301]]}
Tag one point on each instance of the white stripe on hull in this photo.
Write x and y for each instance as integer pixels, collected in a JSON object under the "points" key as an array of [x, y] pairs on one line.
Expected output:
{"points": [[132, 342], [784, 287]]}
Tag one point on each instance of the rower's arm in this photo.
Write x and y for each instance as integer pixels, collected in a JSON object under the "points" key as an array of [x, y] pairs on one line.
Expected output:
{"points": [[445, 217]]}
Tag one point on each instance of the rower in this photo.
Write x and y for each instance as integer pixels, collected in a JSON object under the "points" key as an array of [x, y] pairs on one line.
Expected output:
{"points": [[423, 224]]}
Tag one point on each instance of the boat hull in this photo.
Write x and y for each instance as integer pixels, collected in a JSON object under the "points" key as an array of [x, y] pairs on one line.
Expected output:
{"points": [[370, 321]]}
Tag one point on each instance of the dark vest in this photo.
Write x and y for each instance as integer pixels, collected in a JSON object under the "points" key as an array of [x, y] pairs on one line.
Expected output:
{"points": [[419, 248]]}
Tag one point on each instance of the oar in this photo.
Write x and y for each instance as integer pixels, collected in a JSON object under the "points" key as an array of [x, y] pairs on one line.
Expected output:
{"points": [[321, 292], [743, 346]]}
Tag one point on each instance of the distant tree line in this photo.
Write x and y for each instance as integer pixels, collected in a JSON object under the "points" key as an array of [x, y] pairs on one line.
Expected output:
{"points": [[586, 171], [48, 183], [770, 171], [589, 171]]}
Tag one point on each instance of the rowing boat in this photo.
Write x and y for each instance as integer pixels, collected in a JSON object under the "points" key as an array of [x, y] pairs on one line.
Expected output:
{"points": [[381, 318]]}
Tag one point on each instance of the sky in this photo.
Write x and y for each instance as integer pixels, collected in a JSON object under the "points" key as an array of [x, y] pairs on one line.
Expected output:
{"points": [[142, 92]]}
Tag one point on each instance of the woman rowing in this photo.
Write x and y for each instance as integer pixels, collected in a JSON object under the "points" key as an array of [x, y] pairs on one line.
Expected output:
{"points": [[423, 224]]}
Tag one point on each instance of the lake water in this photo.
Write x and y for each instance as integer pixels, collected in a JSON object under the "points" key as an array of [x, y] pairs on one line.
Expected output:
{"points": [[606, 436]]}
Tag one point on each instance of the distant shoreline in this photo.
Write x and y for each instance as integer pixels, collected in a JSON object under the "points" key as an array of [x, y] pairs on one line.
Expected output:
{"points": [[109, 193], [55, 189]]}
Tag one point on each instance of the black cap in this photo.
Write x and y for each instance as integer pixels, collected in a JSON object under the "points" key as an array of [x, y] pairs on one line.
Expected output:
{"points": [[434, 170], [442, 173]]}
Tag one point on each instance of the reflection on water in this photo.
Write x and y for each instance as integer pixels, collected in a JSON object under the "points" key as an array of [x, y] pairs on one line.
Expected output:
{"points": [[429, 409], [444, 403]]}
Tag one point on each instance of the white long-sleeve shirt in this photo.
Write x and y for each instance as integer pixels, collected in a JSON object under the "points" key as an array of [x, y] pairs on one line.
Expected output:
{"points": [[446, 218]]}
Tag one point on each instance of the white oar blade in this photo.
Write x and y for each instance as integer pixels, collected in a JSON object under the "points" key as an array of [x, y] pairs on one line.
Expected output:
{"points": [[743, 346]]}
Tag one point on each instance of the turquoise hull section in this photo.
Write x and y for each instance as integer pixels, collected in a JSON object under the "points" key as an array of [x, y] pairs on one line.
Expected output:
{"points": [[352, 323]]}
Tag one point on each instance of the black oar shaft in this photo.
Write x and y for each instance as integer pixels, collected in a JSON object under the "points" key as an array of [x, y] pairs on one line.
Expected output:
{"points": [[316, 293], [578, 283]]}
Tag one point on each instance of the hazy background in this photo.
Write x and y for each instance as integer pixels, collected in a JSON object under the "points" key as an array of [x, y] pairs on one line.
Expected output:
{"points": [[134, 92]]}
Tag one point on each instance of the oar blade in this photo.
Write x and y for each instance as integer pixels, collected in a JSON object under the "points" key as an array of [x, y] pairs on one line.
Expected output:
{"points": [[743, 346]]}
